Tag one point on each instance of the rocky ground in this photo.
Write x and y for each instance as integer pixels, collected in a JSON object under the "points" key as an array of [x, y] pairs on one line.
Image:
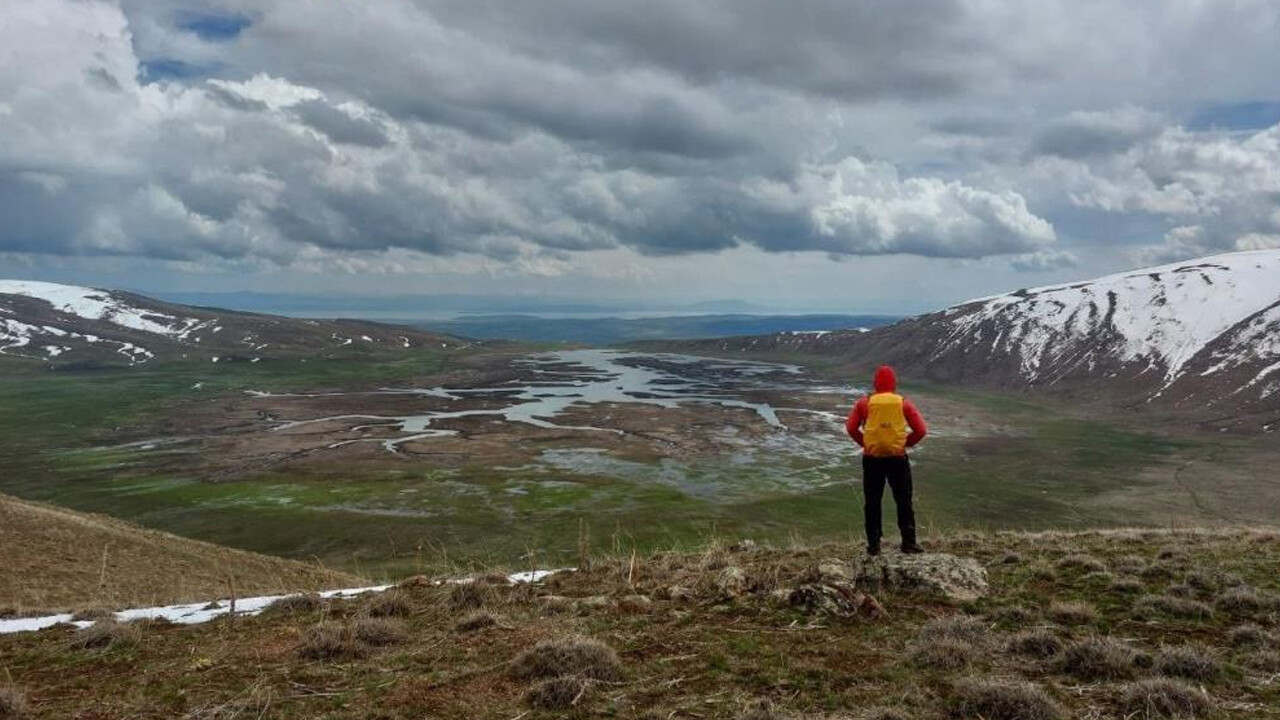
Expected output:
{"points": [[1007, 626]]}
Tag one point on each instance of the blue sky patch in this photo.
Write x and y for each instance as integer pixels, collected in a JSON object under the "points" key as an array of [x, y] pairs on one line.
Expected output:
{"points": [[170, 69], [212, 26], [1237, 116]]}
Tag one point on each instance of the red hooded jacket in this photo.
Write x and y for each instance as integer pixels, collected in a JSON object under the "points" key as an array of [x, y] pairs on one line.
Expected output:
{"points": [[886, 381]]}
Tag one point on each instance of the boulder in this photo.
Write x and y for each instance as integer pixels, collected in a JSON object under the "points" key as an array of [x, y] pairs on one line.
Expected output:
{"points": [[948, 576], [833, 571], [836, 600]]}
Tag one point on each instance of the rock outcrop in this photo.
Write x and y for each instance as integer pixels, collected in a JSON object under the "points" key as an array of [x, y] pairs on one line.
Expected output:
{"points": [[948, 576]]}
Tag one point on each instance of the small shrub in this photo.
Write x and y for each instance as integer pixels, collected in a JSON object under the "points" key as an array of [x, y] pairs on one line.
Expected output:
{"points": [[476, 621], [1163, 698], [1082, 562], [329, 640], [391, 603], [1039, 643], [470, 596], [378, 631], [943, 654], [13, 704], [965, 629], [106, 634], [1177, 607], [1098, 658], [557, 693], [1187, 661], [1004, 701], [1073, 613], [1247, 636], [568, 656], [296, 604]]}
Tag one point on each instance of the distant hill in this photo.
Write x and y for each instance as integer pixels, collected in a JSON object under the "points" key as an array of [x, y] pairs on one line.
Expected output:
{"points": [[1200, 337], [71, 326], [55, 558], [613, 330]]}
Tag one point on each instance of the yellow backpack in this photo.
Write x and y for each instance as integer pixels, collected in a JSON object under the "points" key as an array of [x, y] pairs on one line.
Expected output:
{"points": [[885, 432]]}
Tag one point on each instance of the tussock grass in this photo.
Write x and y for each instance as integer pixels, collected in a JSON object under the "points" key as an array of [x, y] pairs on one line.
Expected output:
{"points": [[1126, 585], [1194, 662], [991, 700], [1171, 552], [557, 693], [1241, 600], [568, 656], [392, 603], [1098, 658], [1082, 562], [296, 604], [1043, 572], [1265, 660], [1073, 613], [476, 621], [943, 654], [1163, 698], [92, 614], [961, 628], [470, 596], [106, 634], [13, 704], [885, 714], [329, 641], [1154, 605], [1011, 558], [1040, 643], [760, 710], [378, 631], [1012, 615], [1248, 635], [1129, 565]]}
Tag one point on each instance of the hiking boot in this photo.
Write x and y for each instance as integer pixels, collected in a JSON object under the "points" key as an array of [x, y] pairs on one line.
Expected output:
{"points": [[873, 550], [911, 548]]}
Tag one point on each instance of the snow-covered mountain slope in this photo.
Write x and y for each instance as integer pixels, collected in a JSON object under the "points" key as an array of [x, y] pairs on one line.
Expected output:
{"points": [[1201, 335], [72, 325]]}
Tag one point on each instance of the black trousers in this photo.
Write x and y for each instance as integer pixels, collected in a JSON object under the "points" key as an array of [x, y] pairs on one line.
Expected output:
{"points": [[897, 472]]}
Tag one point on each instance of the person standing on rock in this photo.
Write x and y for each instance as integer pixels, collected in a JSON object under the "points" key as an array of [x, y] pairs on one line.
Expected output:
{"points": [[885, 424]]}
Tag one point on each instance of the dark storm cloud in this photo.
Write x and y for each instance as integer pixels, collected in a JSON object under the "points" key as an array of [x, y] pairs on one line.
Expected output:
{"points": [[275, 129]]}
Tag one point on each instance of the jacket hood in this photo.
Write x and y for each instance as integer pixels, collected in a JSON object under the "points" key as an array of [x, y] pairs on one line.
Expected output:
{"points": [[886, 379]]}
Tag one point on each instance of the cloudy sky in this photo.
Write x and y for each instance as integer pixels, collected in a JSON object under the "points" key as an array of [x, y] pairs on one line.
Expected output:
{"points": [[836, 155]]}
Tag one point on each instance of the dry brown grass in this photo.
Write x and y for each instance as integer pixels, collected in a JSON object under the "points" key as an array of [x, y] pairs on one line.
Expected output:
{"points": [[103, 561], [1163, 698], [1082, 562], [470, 596], [1248, 635], [885, 714], [13, 704], [557, 693], [476, 621], [568, 656], [293, 604], [992, 700], [1172, 606], [106, 634]]}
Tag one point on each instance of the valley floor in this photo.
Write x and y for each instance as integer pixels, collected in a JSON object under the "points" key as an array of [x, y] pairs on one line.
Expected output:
{"points": [[1100, 624]]}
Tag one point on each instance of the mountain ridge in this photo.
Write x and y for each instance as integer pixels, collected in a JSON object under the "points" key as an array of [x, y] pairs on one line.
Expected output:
{"points": [[1200, 336]]}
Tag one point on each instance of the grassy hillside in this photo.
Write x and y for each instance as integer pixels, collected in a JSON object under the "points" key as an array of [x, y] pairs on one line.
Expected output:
{"points": [[1119, 624], [55, 558]]}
